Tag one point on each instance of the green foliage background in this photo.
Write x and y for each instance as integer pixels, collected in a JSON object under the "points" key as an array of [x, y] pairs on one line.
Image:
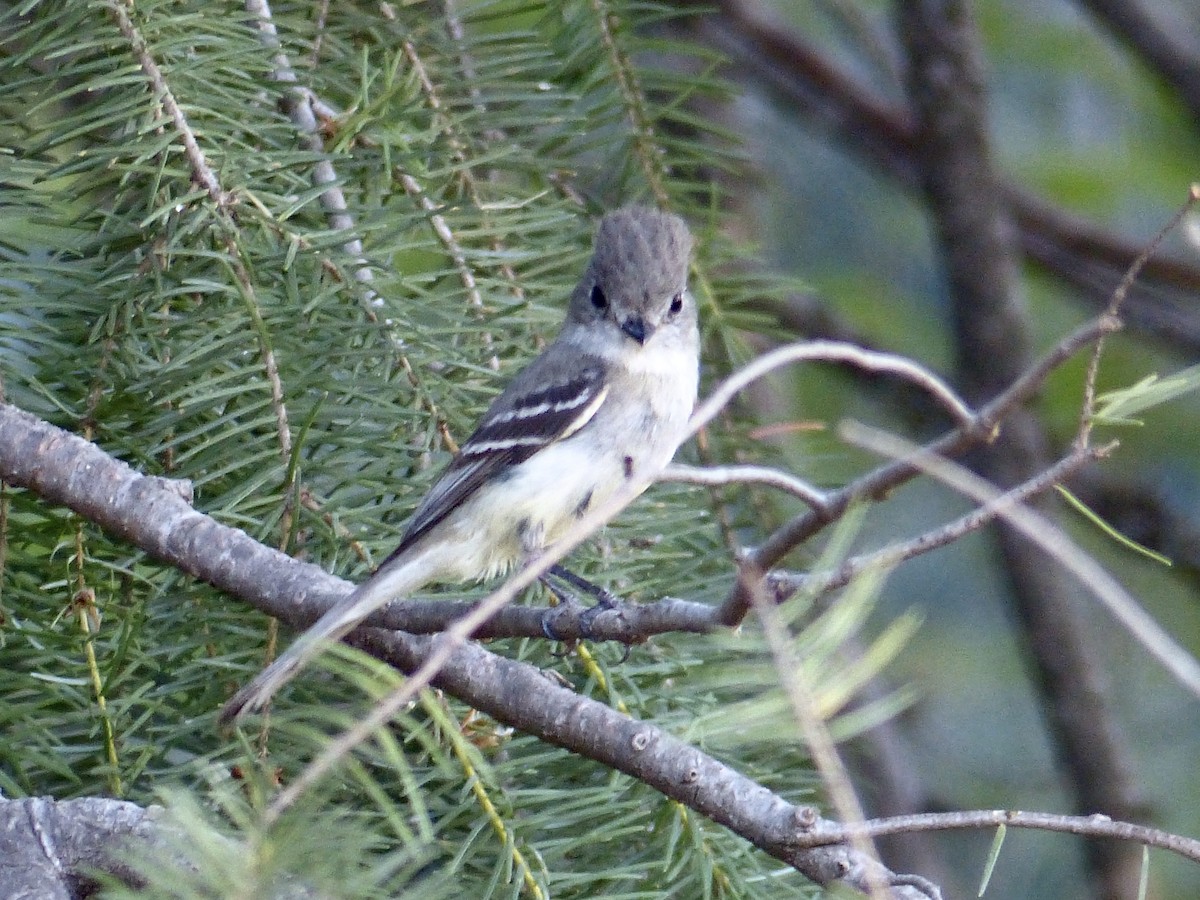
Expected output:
{"points": [[142, 311]]}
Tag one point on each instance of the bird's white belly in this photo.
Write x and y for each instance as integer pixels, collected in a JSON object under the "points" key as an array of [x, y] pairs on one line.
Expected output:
{"points": [[529, 508], [534, 504]]}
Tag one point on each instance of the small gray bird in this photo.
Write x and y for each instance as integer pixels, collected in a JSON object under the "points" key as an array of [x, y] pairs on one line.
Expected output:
{"points": [[607, 402]]}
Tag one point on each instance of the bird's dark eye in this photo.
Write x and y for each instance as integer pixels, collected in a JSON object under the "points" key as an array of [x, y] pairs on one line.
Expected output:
{"points": [[676, 304], [598, 299]]}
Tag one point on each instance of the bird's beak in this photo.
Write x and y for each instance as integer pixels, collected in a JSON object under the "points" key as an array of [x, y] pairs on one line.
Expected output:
{"points": [[637, 329]]}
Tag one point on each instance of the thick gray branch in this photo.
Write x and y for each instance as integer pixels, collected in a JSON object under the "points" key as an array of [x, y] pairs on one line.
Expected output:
{"points": [[977, 244], [67, 470], [50, 850]]}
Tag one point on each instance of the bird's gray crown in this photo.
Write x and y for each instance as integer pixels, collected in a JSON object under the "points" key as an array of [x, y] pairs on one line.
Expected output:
{"points": [[641, 255]]}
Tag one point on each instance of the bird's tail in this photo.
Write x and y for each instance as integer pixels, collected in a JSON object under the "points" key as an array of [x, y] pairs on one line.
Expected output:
{"points": [[397, 579]]}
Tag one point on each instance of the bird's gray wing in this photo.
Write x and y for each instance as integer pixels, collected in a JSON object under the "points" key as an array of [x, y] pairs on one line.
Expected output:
{"points": [[550, 400]]}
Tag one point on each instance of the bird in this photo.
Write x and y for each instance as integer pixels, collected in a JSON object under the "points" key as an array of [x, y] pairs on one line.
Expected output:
{"points": [[606, 403]]}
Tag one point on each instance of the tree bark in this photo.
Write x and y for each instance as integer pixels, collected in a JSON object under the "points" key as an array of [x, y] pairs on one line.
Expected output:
{"points": [[976, 238]]}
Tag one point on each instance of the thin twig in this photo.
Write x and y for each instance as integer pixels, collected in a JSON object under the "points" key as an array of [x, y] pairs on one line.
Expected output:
{"points": [[832, 351], [458, 151], [886, 478], [634, 101], [784, 584], [299, 105], [717, 476], [1089, 826], [457, 255], [816, 734], [320, 22], [1123, 606], [1087, 413], [203, 173]]}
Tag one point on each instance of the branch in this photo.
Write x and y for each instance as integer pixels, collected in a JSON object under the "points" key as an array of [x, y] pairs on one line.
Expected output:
{"points": [[1114, 309], [1053, 542], [881, 481], [301, 109], [1135, 24], [202, 172], [1089, 826], [828, 351], [502, 688], [717, 476], [633, 100], [66, 470], [783, 585]]}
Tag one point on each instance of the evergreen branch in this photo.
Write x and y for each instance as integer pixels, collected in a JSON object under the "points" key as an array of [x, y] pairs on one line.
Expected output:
{"points": [[454, 26], [634, 103], [472, 776], [83, 600], [84, 605], [455, 250], [203, 173], [452, 246], [301, 109], [283, 430], [457, 145], [594, 671]]}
